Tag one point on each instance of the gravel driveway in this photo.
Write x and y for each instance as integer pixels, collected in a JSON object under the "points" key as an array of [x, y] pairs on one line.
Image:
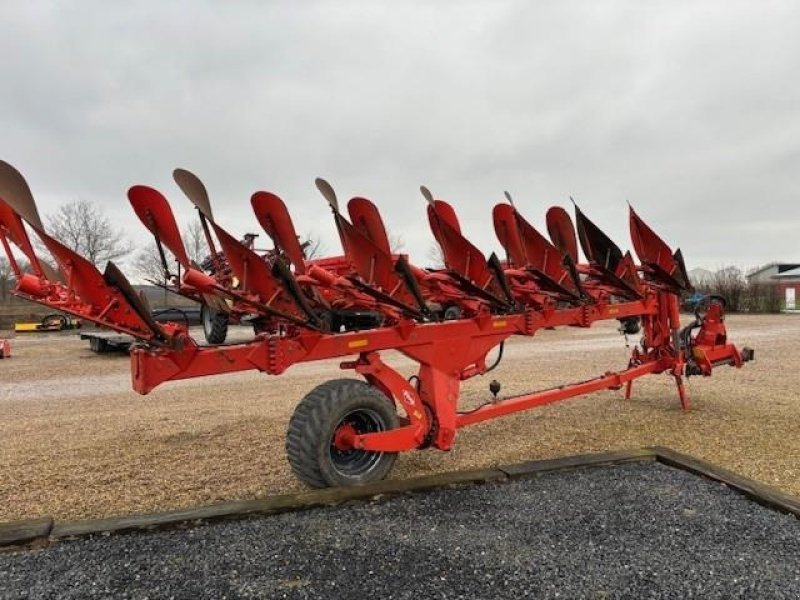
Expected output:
{"points": [[633, 531]]}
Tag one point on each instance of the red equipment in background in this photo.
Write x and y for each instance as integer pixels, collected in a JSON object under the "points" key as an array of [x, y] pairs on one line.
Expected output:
{"points": [[370, 299]]}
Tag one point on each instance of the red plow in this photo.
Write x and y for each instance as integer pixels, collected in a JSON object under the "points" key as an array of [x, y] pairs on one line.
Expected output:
{"points": [[370, 299]]}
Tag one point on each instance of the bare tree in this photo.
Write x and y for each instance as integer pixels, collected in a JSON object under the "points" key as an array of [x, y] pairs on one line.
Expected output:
{"points": [[82, 226], [6, 277], [312, 246], [729, 282], [436, 256], [396, 243], [195, 240], [148, 264]]}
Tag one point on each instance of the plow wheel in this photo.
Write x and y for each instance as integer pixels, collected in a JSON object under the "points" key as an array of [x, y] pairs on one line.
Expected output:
{"points": [[329, 410], [215, 324]]}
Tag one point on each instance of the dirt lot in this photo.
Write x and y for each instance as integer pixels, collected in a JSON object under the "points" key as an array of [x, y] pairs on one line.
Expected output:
{"points": [[76, 442]]}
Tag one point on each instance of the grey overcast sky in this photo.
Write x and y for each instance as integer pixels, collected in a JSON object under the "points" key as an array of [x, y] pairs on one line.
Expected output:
{"points": [[689, 110]]}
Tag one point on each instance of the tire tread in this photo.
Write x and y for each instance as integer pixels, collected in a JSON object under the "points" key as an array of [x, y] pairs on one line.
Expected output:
{"points": [[308, 425]]}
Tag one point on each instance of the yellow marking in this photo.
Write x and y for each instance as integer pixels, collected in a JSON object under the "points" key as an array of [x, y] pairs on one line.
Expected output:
{"points": [[26, 326], [357, 344], [499, 324]]}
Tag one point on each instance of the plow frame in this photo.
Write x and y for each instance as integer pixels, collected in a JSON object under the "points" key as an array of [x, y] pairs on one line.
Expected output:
{"points": [[447, 353], [446, 320]]}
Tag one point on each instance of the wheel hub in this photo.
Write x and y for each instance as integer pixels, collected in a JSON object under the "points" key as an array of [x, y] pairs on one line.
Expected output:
{"points": [[344, 456]]}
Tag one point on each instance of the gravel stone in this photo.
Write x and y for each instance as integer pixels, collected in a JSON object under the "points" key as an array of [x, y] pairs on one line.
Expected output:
{"points": [[632, 531]]}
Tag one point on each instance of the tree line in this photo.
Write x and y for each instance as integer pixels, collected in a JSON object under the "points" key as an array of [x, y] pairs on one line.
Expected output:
{"points": [[740, 293]]}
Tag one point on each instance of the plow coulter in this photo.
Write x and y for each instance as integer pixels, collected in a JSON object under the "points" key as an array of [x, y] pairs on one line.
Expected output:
{"points": [[370, 299]]}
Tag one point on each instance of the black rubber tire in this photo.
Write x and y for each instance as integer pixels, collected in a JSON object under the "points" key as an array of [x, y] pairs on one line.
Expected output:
{"points": [[57, 321], [99, 345], [309, 446], [215, 325], [452, 312]]}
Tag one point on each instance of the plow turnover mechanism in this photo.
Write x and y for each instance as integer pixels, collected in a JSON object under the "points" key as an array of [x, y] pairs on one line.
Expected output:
{"points": [[370, 299]]}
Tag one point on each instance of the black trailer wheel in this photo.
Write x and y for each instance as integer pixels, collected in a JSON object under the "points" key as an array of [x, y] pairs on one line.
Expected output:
{"points": [[215, 324], [98, 345], [54, 322], [326, 409]]}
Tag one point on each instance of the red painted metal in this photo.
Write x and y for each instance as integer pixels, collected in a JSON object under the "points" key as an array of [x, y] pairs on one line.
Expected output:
{"points": [[656, 256], [365, 217], [528, 249], [271, 213], [155, 213], [562, 232], [461, 257], [541, 285]]}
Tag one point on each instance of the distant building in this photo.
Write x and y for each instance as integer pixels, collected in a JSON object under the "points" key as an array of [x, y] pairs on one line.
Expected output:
{"points": [[785, 277]]}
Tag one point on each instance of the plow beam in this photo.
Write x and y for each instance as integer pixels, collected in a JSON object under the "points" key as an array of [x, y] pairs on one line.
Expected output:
{"points": [[444, 351]]}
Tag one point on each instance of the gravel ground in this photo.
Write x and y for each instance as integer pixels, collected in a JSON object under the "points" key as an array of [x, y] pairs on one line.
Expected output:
{"points": [[76, 442], [634, 531]]}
